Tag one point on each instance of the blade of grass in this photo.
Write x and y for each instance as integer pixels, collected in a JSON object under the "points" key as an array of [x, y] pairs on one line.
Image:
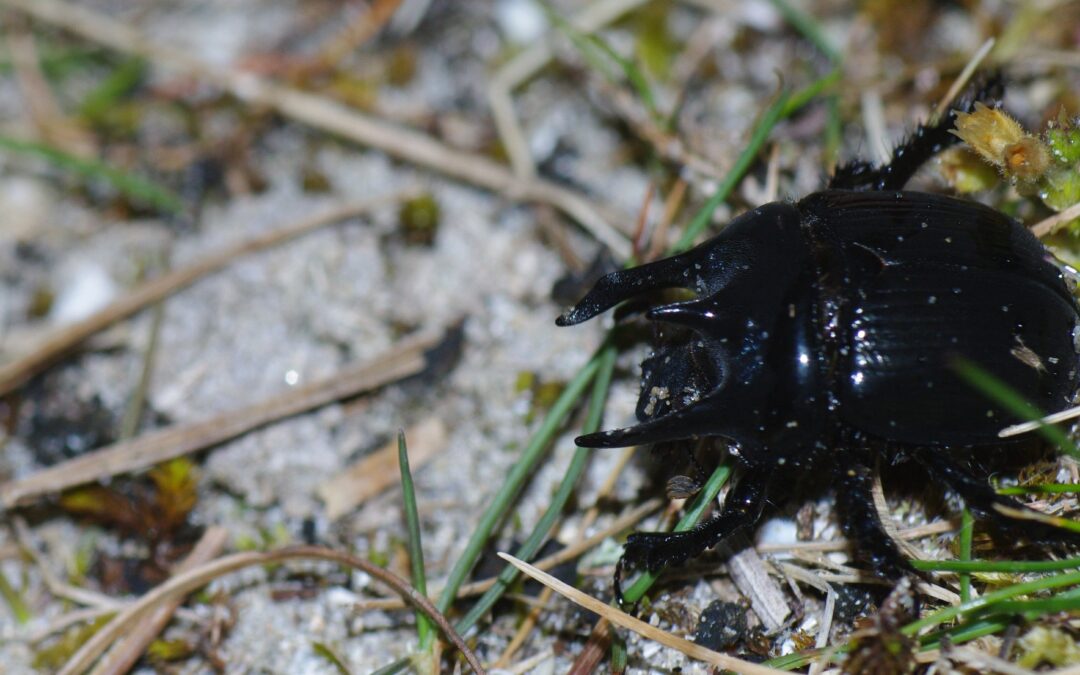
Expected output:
{"points": [[424, 628], [600, 54], [509, 490], [1045, 489], [577, 466], [967, 525], [120, 82], [800, 98], [809, 28], [14, 601], [773, 114], [992, 566], [977, 604], [135, 188], [1006, 397]]}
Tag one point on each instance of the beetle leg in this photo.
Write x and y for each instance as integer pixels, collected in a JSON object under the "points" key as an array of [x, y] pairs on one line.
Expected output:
{"points": [[862, 523], [926, 141], [1008, 515], [656, 550]]}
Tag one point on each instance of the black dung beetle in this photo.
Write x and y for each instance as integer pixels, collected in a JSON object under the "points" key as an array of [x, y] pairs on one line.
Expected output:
{"points": [[828, 329]]}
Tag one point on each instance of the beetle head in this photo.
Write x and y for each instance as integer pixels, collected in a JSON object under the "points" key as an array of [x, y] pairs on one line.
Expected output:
{"points": [[714, 379]]}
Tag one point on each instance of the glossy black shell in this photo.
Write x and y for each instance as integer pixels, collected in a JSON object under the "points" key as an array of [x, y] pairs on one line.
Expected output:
{"points": [[850, 311]]}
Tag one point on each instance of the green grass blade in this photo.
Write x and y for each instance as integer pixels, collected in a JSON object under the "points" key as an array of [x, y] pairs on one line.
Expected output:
{"points": [[1045, 489], [138, 190], [1006, 397], [14, 601], [577, 466], [773, 114], [601, 56], [967, 527], [978, 604], [120, 82], [800, 98], [998, 566], [809, 28], [514, 481], [424, 629]]}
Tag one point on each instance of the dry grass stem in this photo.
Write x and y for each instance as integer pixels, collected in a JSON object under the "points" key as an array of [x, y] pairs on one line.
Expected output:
{"points": [[330, 116], [586, 522], [378, 471], [1024, 427], [1049, 225], [981, 662], [405, 359], [184, 583], [615, 616], [62, 341], [126, 651], [961, 81], [937, 527], [527, 64]]}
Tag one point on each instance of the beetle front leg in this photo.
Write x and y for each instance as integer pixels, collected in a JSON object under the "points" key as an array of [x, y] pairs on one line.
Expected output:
{"points": [[656, 550]]}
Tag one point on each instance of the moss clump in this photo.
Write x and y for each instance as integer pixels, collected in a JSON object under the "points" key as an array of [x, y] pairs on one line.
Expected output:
{"points": [[418, 219]]}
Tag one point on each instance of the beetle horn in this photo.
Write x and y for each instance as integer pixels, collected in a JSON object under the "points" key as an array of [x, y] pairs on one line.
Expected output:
{"points": [[621, 285], [698, 314], [697, 419]]}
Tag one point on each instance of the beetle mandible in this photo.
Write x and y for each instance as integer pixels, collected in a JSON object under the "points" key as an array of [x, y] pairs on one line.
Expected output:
{"points": [[829, 328]]}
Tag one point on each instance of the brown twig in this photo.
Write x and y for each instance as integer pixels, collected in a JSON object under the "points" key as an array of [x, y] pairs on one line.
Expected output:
{"points": [[330, 116], [405, 359], [186, 582], [64, 340], [126, 651]]}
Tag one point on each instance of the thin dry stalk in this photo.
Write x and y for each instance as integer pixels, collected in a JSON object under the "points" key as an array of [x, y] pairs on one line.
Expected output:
{"points": [[527, 64], [129, 648], [330, 116], [1023, 428], [586, 522], [962, 79], [672, 205], [65, 339], [617, 617], [1049, 225], [938, 527], [405, 359], [981, 662], [45, 113], [182, 584]]}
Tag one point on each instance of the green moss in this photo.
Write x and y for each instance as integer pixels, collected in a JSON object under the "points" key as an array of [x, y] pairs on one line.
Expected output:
{"points": [[418, 219]]}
